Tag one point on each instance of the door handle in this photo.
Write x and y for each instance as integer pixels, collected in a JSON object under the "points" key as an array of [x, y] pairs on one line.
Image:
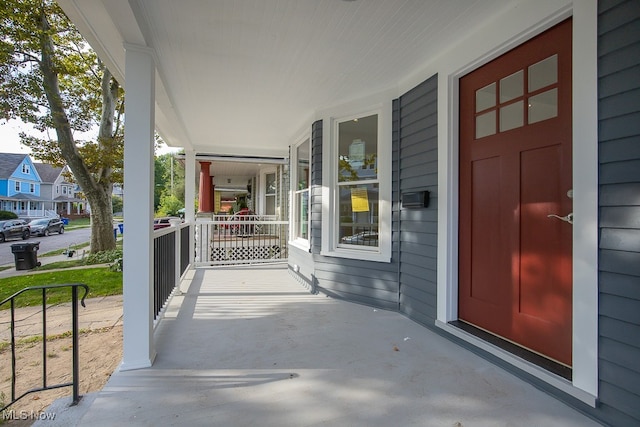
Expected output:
{"points": [[568, 218]]}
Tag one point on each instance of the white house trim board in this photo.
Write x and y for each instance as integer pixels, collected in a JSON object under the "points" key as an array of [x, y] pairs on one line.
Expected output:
{"points": [[138, 348], [516, 26]]}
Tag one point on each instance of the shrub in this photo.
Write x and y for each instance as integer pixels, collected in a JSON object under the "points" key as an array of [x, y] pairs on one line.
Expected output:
{"points": [[7, 215], [104, 257]]}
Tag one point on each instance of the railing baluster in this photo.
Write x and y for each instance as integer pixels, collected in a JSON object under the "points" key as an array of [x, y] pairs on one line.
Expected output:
{"points": [[75, 340], [44, 337], [76, 353], [13, 350]]}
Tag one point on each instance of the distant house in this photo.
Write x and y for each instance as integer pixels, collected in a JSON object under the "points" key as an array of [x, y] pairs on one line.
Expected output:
{"points": [[60, 194], [20, 186]]}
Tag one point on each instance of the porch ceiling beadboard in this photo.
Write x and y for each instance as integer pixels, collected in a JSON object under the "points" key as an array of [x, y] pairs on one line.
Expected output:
{"points": [[242, 77]]}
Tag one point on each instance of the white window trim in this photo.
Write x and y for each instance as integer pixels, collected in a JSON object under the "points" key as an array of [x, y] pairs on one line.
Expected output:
{"points": [[17, 187], [330, 245], [25, 169], [299, 242], [32, 187], [584, 385]]}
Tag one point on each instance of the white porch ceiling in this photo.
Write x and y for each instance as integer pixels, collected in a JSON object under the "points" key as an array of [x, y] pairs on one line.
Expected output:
{"points": [[246, 77]]}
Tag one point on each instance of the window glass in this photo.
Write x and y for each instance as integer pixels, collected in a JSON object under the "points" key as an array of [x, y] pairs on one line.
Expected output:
{"points": [[358, 211], [543, 73], [512, 87], [512, 116], [358, 195], [486, 124], [486, 97], [301, 191], [302, 217], [358, 149], [302, 157], [543, 106]]}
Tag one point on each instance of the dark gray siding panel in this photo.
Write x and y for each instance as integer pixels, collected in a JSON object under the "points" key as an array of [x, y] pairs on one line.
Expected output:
{"points": [[619, 177], [418, 171], [371, 283], [316, 187]]}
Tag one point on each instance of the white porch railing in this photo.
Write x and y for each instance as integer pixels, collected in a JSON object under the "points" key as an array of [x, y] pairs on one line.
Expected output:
{"points": [[240, 239]]}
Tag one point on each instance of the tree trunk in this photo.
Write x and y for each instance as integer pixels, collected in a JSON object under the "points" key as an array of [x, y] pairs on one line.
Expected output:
{"points": [[97, 191]]}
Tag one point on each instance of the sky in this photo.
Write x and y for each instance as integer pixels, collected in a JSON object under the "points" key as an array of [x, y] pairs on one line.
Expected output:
{"points": [[10, 139]]}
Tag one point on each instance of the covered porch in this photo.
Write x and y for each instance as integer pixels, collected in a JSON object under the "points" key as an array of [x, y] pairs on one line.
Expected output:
{"points": [[252, 346]]}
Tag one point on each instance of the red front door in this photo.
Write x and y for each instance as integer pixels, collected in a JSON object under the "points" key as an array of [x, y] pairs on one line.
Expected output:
{"points": [[515, 262]]}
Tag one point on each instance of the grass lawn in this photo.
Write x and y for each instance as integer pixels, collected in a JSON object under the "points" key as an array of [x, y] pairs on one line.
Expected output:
{"points": [[61, 251], [78, 223], [101, 282]]}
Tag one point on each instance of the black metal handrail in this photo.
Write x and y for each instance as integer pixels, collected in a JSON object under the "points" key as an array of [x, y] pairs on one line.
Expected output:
{"points": [[75, 383]]}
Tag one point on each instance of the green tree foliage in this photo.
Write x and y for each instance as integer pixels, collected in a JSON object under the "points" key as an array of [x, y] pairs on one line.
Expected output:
{"points": [[169, 205], [117, 203], [169, 181], [50, 78]]}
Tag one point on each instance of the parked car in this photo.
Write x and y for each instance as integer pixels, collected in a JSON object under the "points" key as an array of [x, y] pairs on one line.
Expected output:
{"points": [[14, 229], [164, 222], [364, 238], [46, 226]]}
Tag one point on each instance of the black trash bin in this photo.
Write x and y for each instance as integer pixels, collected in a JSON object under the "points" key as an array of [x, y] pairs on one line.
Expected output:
{"points": [[26, 255]]}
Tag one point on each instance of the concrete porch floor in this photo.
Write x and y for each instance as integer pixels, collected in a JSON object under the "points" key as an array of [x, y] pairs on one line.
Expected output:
{"points": [[252, 347]]}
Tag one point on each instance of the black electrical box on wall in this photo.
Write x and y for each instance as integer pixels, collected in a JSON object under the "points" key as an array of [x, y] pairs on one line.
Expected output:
{"points": [[419, 199]]}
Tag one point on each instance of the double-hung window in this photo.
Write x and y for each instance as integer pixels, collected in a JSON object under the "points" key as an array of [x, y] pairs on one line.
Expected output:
{"points": [[359, 187], [17, 186], [301, 160]]}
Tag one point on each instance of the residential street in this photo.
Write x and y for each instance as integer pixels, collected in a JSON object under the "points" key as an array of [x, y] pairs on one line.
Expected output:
{"points": [[47, 244]]}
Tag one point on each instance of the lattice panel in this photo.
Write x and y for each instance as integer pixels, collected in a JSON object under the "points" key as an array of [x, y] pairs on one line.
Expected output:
{"points": [[249, 253]]}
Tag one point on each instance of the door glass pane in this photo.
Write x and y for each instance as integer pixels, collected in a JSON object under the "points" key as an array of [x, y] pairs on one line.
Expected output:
{"points": [[512, 116], [543, 106], [512, 87], [543, 73], [485, 124], [358, 210], [486, 97], [358, 149]]}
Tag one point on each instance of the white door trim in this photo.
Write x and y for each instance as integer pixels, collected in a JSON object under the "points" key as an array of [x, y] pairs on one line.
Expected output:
{"points": [[585, 176]]}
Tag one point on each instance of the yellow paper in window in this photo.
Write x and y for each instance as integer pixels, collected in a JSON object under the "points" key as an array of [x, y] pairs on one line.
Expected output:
{"points": [[359, 200]]}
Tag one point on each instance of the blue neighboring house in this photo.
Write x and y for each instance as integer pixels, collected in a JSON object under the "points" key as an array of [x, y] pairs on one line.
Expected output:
{"points": [[20, 185]]}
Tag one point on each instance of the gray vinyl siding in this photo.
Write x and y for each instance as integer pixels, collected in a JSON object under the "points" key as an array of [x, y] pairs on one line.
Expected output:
{"points": [[316, 187], [417, 165], [619, 179]]}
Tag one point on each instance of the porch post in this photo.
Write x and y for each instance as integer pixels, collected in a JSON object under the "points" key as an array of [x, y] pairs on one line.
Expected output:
{"points": [[138, 347], [204, 199], [190, 196]]}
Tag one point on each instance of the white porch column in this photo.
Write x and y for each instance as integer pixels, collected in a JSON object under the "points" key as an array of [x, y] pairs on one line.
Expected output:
{"points": [[190, 195], [138, 346]]}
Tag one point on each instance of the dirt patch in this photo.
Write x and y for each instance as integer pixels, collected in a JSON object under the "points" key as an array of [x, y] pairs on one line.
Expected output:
{"points": [[100, 353]]}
